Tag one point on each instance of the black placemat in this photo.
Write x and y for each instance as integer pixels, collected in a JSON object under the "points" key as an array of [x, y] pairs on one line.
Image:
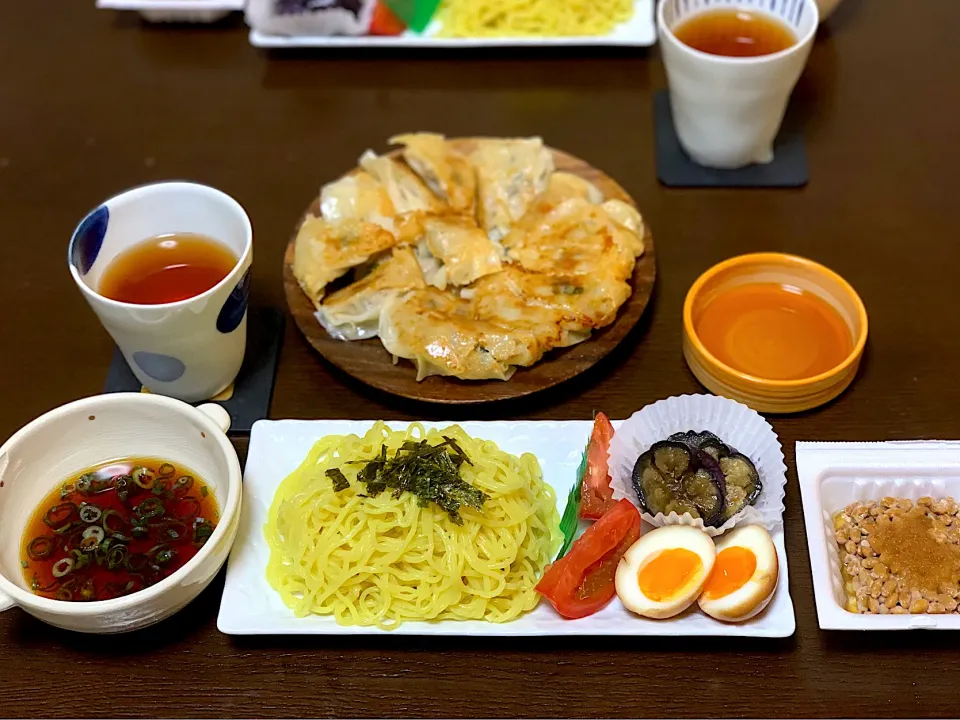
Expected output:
{"points": [[676, 169], [253, 387]]}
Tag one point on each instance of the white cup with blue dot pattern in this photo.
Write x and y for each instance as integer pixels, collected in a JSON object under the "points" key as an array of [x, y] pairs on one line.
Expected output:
{"points": [[728, 110], [191, 349]]}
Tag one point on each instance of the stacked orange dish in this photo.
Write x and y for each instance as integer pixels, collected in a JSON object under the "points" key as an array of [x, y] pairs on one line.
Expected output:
{"points": [[777, 332]]}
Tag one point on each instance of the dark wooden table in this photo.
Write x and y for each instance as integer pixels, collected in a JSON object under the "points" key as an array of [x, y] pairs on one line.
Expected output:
{"points": [[92, 102]]}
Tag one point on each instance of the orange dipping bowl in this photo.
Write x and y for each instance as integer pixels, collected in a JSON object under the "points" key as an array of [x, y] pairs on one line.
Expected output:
{"points": [[777, 332]]}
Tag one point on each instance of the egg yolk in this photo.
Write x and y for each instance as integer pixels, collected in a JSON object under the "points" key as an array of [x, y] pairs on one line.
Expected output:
{"points": [[668, 573], [731, 571]]}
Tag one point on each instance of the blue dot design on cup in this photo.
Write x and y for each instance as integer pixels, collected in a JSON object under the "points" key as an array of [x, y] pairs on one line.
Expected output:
{"points": [[235, 306], [162, 368], [88, 239]]}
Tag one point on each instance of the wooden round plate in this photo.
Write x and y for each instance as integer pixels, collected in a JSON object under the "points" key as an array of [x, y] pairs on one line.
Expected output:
{"points": [[369, 362]]}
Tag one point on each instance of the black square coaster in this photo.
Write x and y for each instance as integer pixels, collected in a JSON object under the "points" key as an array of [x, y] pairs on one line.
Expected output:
{"points": [[676, 169], [253, 388]]}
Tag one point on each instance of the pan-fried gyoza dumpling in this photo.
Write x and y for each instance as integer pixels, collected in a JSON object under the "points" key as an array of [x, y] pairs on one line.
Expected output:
{"points": [[446, 172], [510, 174], [500, 298], [573, 238], [464, 249], [580, 303], [627, 216], [563, 185], [406, 190], [353, 313], [357, 196], [323, 251], [439, 333]]}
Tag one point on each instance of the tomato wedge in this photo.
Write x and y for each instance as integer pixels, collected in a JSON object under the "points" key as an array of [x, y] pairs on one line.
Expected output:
{"points": [[596, 496], [384, 21], [582, 581]]}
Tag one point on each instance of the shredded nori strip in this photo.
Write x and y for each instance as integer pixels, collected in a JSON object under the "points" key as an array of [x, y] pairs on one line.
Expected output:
{"points": [[340, 481], [431, 472]]}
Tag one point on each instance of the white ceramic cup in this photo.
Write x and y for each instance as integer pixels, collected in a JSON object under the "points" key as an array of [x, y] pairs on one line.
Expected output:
{"points": [[191, 349], [727, 110], [88, 432]]}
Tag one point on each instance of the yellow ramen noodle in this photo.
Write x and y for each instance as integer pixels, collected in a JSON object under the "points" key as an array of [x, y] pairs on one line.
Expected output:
{"points": [[533, 18], [384, 560]]}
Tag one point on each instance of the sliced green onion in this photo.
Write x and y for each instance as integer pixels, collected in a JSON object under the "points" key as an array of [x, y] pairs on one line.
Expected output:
{"points": [[63, 566], [80, 559], [165, 556], [24, 564], [41, 547], [59, 514], [88, 591], [67, 490], [149, 508], [94, 531], [116, 557], [64, 594], [89, 544], [142, 477], [105, 522], [184, 482], [90, 513], [85, 482], [136, 563], [204, 491], [35, 585], [167, 470]]}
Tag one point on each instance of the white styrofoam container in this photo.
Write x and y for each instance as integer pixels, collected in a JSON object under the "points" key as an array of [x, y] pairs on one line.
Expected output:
{"points": [[833, 475], [639, 31], [201, 11], [277, 447]]}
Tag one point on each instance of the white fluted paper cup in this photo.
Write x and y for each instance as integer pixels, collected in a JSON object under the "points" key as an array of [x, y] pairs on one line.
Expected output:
{"points": [[734, 423]]}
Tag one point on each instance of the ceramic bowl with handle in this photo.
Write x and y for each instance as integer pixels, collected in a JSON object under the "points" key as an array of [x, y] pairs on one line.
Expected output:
{"points": [[89, 432]]}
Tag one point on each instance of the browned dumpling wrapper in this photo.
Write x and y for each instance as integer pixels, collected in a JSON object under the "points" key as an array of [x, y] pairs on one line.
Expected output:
{"points": [[323, 251], [447, 172]]}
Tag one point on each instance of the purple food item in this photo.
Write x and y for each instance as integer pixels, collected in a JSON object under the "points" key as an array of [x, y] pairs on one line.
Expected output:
{"points": [[670, 477], [310, 17]]}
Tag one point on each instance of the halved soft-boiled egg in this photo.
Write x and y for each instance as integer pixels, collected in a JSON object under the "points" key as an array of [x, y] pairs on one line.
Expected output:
{"points": [[744, 575], [662, 573]]}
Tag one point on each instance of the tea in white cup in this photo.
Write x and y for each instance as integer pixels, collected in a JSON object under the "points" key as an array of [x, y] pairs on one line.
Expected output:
{"points": [[166, 268], [731, 69]]}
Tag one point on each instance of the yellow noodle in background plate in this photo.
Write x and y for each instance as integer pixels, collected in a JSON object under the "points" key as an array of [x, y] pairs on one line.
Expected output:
{"points": [[384, 560], [531, 18]]}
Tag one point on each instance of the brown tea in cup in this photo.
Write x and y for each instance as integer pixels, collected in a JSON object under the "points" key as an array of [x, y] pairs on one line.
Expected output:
{"points": [[735, 33]]}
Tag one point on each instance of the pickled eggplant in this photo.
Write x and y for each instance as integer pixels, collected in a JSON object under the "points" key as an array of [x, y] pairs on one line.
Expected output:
{"points": [[696, 472], [669, 477], [742, 483]]}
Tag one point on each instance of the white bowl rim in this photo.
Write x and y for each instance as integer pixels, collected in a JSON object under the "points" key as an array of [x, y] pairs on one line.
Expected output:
{"points": [[27, 599]]}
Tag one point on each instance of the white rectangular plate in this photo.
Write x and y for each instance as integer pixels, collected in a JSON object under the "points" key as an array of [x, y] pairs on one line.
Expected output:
{"points": [[251, 607], [832, 475], [639, 31], [171, 5]]}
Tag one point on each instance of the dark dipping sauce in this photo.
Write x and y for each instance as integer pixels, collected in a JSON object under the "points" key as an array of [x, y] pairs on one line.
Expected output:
{"points": [[115, 529]]}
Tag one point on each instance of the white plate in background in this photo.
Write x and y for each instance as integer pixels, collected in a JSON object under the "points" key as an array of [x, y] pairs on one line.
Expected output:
{"points": [[638, 31], [277, 447], [833, 475], [176, 10]]}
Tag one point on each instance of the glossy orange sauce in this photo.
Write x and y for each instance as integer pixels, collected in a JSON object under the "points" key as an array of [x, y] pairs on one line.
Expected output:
{"points": [[735, 33], [668, 573], [733, 568], [773, 331]]}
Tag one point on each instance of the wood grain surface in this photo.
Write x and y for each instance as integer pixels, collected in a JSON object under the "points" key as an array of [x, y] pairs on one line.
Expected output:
{"points": [[94, 102], [369, 362]]}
